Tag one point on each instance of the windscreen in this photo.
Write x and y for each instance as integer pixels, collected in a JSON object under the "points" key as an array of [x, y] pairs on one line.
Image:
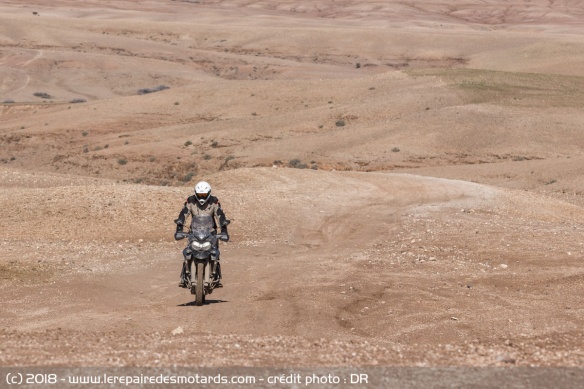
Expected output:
{"points": [[202, 223]]}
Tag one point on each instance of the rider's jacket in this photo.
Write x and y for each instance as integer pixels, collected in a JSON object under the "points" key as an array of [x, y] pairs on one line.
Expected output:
{"points": [[211, 208]]}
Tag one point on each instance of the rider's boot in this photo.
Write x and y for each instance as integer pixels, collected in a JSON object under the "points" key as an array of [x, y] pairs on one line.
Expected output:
{"points": [[183, 277], [218, 274], [215, 256]]}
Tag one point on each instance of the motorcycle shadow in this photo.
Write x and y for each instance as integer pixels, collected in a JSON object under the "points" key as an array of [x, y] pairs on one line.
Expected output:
{"points": [[207, 302]]}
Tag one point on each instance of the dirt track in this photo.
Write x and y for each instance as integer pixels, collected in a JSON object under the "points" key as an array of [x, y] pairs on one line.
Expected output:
{"points": [[398, 261], [404, 183]]}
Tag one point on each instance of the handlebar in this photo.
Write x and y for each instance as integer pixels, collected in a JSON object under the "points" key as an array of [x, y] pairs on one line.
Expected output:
{"points": [[182, 235]]}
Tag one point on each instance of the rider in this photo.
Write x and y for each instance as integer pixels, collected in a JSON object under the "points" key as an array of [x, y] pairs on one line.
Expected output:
{"points": [[202, 203]]}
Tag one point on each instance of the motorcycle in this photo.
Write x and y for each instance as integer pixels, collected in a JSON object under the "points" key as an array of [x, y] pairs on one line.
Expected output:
{"points": [[202, 251]]}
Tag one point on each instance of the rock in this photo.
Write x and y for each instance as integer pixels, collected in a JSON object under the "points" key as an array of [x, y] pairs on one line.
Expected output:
{"points": [[178, 331], [506, 359], [503, 266]]}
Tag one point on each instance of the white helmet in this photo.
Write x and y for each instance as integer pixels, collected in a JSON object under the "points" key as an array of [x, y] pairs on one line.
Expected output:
{"points": [[203, 192]]}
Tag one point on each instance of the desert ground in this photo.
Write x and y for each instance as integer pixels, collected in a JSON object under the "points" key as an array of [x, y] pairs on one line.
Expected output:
{"points": [[405, 181]]}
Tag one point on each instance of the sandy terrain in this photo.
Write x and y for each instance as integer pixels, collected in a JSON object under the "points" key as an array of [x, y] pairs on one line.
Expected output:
{"points": [[404, 181]]}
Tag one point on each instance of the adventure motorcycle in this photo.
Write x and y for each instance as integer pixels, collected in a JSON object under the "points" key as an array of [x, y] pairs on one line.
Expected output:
{"points": [[202, 251]]}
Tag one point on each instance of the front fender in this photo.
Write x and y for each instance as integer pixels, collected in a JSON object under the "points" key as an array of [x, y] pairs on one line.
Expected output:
{"points": [[201, 254]]}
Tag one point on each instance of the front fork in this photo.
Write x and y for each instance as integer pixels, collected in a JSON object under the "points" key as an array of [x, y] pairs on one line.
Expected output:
{"points": [[187, 264], [210, 271]]}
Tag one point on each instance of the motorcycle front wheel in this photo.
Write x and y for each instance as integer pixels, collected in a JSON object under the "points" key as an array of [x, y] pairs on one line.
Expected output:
{"points": [[199, 290]]}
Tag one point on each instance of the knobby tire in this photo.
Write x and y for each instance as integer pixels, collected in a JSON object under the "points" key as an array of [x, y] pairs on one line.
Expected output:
{"points": [[199, 292]]}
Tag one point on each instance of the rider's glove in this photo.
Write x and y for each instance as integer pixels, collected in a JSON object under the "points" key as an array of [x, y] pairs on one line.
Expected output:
{"points": [[178, 234], [224, 232]]}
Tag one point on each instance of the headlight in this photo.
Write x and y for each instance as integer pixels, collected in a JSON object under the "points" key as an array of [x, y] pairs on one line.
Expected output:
{"points": [[201, 246]]}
